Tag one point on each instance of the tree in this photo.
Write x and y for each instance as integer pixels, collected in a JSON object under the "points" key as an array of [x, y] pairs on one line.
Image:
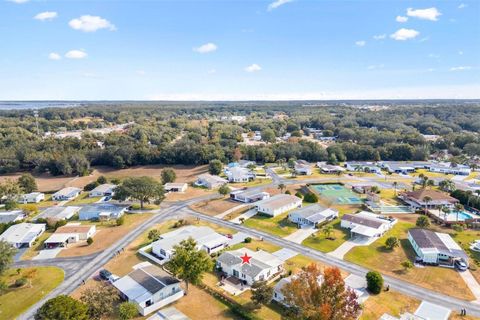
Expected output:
{"points": [[391, 243], [168, 175], [327, 230], [127, 310], [10, 190], [30, 208], [120, 221], [7, 252], [447, 185], [312, 299], [423, 222], [62, 307], [27, 183], [89, 240], [407, 265], [395, 185], [261, 293], [427, 200], [281, 187], [101, 180], [224, 189], [310, 197], [100, 300], [298, 194], [374, 282], [188, 263], [268, 135], [215, 167], [154, 235], [143, 189], [458, 208]]}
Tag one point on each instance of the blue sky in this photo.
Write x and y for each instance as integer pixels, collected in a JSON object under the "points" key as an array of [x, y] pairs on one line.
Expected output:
{"points": [[239, 50]]}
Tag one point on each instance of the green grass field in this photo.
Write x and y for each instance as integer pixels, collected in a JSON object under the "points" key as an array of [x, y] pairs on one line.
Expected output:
{"points": [[279, 225], [41, 280], [321, 243]]}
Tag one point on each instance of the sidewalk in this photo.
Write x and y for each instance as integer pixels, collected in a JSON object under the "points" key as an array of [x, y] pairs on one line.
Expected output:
{"points": [[471, 283]]}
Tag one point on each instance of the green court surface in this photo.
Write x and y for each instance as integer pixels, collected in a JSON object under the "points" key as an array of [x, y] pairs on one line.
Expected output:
{"points": [[337, 193]]}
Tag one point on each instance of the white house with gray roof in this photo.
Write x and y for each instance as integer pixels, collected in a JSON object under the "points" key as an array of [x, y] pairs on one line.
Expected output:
{"points": [[149, 288], [103, 190], [263, 266], [239, 174], [209, 181], [23, 235], [278, 204], [206, 239], [249, 196], [32, 197], [312, 215], [58, 213], [11, 216], [68, 193], [366, 224]]}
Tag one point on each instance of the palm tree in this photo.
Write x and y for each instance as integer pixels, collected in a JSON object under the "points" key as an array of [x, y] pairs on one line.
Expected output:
{"points": [[395, 184], [327, 230], [427, 200], [458, 208], [281, 187], [445, 211]]}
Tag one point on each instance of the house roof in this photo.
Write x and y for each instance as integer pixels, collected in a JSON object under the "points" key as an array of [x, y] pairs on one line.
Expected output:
{"points": [[9, 216], [433, 194], [203, 236], [106, 187], [178, 185], [314, 212], [22, 232], [363, 220], [260, 260], [238, 172], [96, 208], [67, 192], [278, 201], [211, 178], [58, 212], [74, 229], [248, 193], [440, 242]]}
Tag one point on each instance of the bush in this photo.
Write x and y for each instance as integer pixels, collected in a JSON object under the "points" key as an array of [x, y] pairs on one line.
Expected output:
{"points": [[101, 180], [288, 192], [247, 240], [89, 240], [120, 221], [310, 197], [10, 205], [457, 227], [299, 195], [423, 222], [20, 282], [168, 175], [127, 310], [30, 208], [224, 190], [91, 186], [374, 282], [391, 243], [60, 223]]}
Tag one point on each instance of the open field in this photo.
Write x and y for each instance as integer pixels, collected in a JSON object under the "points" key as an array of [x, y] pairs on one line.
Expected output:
{"points": [[377, 257], [40, 281], [47, 182], [279, 225], [106, 235], [390, 302], [214, 207]]}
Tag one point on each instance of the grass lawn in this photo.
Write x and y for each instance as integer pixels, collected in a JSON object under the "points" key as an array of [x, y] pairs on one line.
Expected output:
{"points": [[256, 245], [321, 243], [254, 183], [377, 257], [41, 280], [37, 246], [279, 225], [390, 302], [83, 198], [214, 207]]}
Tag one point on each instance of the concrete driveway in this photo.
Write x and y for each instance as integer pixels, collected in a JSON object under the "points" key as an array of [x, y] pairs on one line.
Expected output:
{"points": [[47, 254], [471, 283], [285, 254], [342, 250], [250, 213], [227, 212], [300, 235]]}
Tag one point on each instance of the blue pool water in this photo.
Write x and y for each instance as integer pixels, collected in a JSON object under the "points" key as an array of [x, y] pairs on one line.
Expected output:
{"points": [[462, 216]]}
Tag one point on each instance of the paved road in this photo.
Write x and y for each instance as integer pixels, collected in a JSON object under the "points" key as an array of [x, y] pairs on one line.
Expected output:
{"points": [[404, 287]]}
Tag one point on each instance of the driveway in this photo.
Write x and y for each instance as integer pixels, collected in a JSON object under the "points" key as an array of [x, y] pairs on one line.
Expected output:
{"points": [[300, 235], [471, 283], [250, 213], [238, 238], [341, 251], [47, 254], [285, 254], [19, 254], [227, 212]]}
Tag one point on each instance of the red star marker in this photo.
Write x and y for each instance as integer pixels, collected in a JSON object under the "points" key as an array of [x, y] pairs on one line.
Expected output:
{"points": [[246, 258]]}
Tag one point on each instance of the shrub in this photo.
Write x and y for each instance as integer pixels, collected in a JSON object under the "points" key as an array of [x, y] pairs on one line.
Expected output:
{"points": [[215, 167], [457, 227], [407, 264], [10, 205], [391, 243], [374, 282], [247, 240], [299, 195], [30, 208], [310, 197], [288, 192], [120, 221], [89, 240], [20, 282], [127, 310], [101, 180], [91, 186], [60, 223], [423, 222], [224, 190]]}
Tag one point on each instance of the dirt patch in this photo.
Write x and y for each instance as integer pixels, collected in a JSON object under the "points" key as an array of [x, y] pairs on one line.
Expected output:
{"points": [[105, 237], [214, 207], [293, 188], [189, 194]]}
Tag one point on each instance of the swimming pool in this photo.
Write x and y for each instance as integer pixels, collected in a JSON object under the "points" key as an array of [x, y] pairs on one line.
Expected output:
{"points": [[337, 193], [462, 216]]}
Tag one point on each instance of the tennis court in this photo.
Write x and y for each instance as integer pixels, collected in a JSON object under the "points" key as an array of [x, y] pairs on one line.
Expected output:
{"points": [[337, 193]]}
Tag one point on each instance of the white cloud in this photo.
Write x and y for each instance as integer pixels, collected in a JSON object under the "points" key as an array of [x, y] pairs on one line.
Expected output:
{"points": [[431, 14], [277, 3], [460, 68], [88, 23], [404, 34], [47, 15], [76, 54], [54, 56], [360, 43], [206, 48], [253, 68], [375, 66], [18, 1], [462, 5], [401, 19], [434, 56], [379, 36]]}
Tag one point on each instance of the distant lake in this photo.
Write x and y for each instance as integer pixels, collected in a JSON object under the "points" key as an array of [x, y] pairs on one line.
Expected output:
{"points": [[9, 105]]}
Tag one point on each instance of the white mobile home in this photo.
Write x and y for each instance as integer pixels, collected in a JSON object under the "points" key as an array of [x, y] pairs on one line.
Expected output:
{"points": [[209, 181], [249, 196], [33, 197], [23, 235], [278, 204], [366, 224], [103, 190], [312, 215], [68, 193], [175, 187]]}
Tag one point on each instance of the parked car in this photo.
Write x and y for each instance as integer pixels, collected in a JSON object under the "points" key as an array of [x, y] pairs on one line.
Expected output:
{"points": [[105, 274], [113, 278], [460, 265]]}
